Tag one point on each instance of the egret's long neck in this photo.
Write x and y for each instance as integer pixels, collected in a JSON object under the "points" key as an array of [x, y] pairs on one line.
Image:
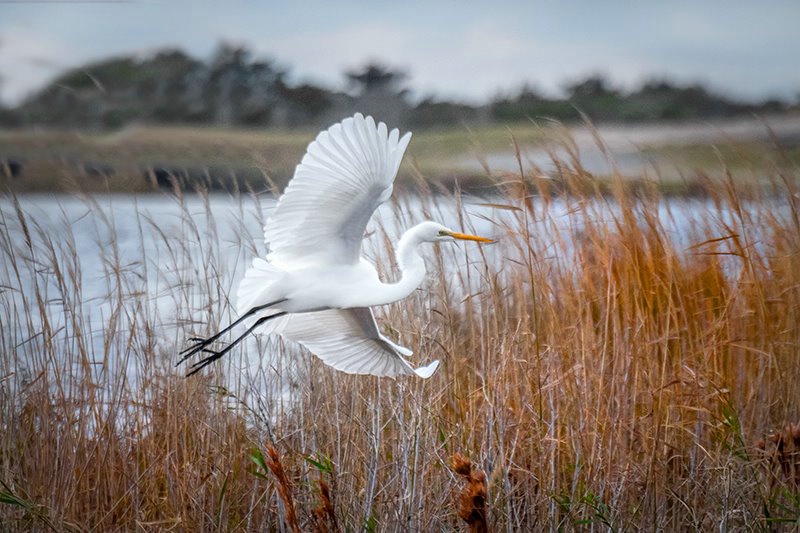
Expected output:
{"points": [[411, 265]]}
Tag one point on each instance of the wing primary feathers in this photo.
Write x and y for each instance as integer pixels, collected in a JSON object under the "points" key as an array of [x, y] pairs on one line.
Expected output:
{"points": [[346, 173]]}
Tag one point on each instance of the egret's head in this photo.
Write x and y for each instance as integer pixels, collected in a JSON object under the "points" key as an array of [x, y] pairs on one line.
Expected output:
{"points": [[434, 232]]}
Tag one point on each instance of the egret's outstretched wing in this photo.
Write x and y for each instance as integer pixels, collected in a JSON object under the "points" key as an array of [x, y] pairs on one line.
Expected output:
{"points": [[349, 340], [346, 174]]}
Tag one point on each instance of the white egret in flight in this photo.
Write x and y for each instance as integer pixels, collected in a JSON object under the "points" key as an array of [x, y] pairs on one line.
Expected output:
{"points": [[314, 287]]}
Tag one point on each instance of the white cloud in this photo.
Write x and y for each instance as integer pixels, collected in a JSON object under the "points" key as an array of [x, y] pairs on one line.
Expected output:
{"points": [[28, 60], [325, 55], [450, 49]]}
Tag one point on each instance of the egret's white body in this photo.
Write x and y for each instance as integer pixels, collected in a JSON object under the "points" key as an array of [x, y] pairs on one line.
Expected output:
{"points": [[320, 287], [314, 287]]}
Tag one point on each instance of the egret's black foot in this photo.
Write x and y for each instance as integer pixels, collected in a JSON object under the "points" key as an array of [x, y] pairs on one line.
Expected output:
{"points": [[199, 345], [204, 362]]}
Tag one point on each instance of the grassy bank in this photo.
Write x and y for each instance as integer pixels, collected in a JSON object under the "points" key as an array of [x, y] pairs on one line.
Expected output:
{"points": [[601, 377], [122, 161], [136, 158]]}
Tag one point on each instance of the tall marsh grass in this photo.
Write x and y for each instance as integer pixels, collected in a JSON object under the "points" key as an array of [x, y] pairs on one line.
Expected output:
{"points": [[599, 371]]}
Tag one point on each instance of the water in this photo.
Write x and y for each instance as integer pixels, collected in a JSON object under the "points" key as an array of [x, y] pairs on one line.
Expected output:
{"points": [[92, 272], [87, 272]]}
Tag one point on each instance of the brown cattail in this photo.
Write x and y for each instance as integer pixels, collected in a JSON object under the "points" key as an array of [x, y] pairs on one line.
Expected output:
{"points": [[325, 515], [795, 432], [783, 451], [462, 465], [472, 501], [283, 486]]}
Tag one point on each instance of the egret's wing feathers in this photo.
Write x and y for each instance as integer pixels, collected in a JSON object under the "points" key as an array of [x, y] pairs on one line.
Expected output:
{"points": [[346, 173], [349, 340]]}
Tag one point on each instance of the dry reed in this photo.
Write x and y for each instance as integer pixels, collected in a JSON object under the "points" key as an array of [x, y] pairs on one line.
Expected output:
{"points": [[605, 372]]}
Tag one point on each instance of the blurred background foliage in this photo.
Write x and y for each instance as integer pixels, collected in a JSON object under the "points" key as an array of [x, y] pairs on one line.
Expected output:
{"points": [[232, 87]]}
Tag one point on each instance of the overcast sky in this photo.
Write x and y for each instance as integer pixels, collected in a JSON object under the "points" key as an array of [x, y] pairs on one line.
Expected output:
{"points": [[453, 49]]}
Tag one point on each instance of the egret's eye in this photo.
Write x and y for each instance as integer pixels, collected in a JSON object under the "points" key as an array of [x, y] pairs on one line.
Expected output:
{"points": [[443, 233]]}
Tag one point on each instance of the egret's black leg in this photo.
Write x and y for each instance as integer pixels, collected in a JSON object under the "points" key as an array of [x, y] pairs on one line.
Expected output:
{"points": [[200, 343], [202, 363]]}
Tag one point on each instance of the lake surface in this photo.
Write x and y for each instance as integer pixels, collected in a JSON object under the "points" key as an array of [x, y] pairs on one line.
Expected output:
{"points": [[85, 275]]}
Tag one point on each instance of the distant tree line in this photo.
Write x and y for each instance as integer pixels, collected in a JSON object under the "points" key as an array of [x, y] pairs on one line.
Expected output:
{"points": [[234, 88]]}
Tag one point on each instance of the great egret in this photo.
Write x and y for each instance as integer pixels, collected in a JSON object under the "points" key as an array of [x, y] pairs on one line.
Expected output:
{"points": [[314, 288]]}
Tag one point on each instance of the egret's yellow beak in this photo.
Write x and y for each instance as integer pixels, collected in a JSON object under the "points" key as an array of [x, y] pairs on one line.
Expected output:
{"points": [[466, 237]]}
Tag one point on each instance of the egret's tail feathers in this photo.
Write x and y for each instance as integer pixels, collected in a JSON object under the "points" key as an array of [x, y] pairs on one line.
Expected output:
{"points": [[256, 282], [258, 287], [427, 371]]}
